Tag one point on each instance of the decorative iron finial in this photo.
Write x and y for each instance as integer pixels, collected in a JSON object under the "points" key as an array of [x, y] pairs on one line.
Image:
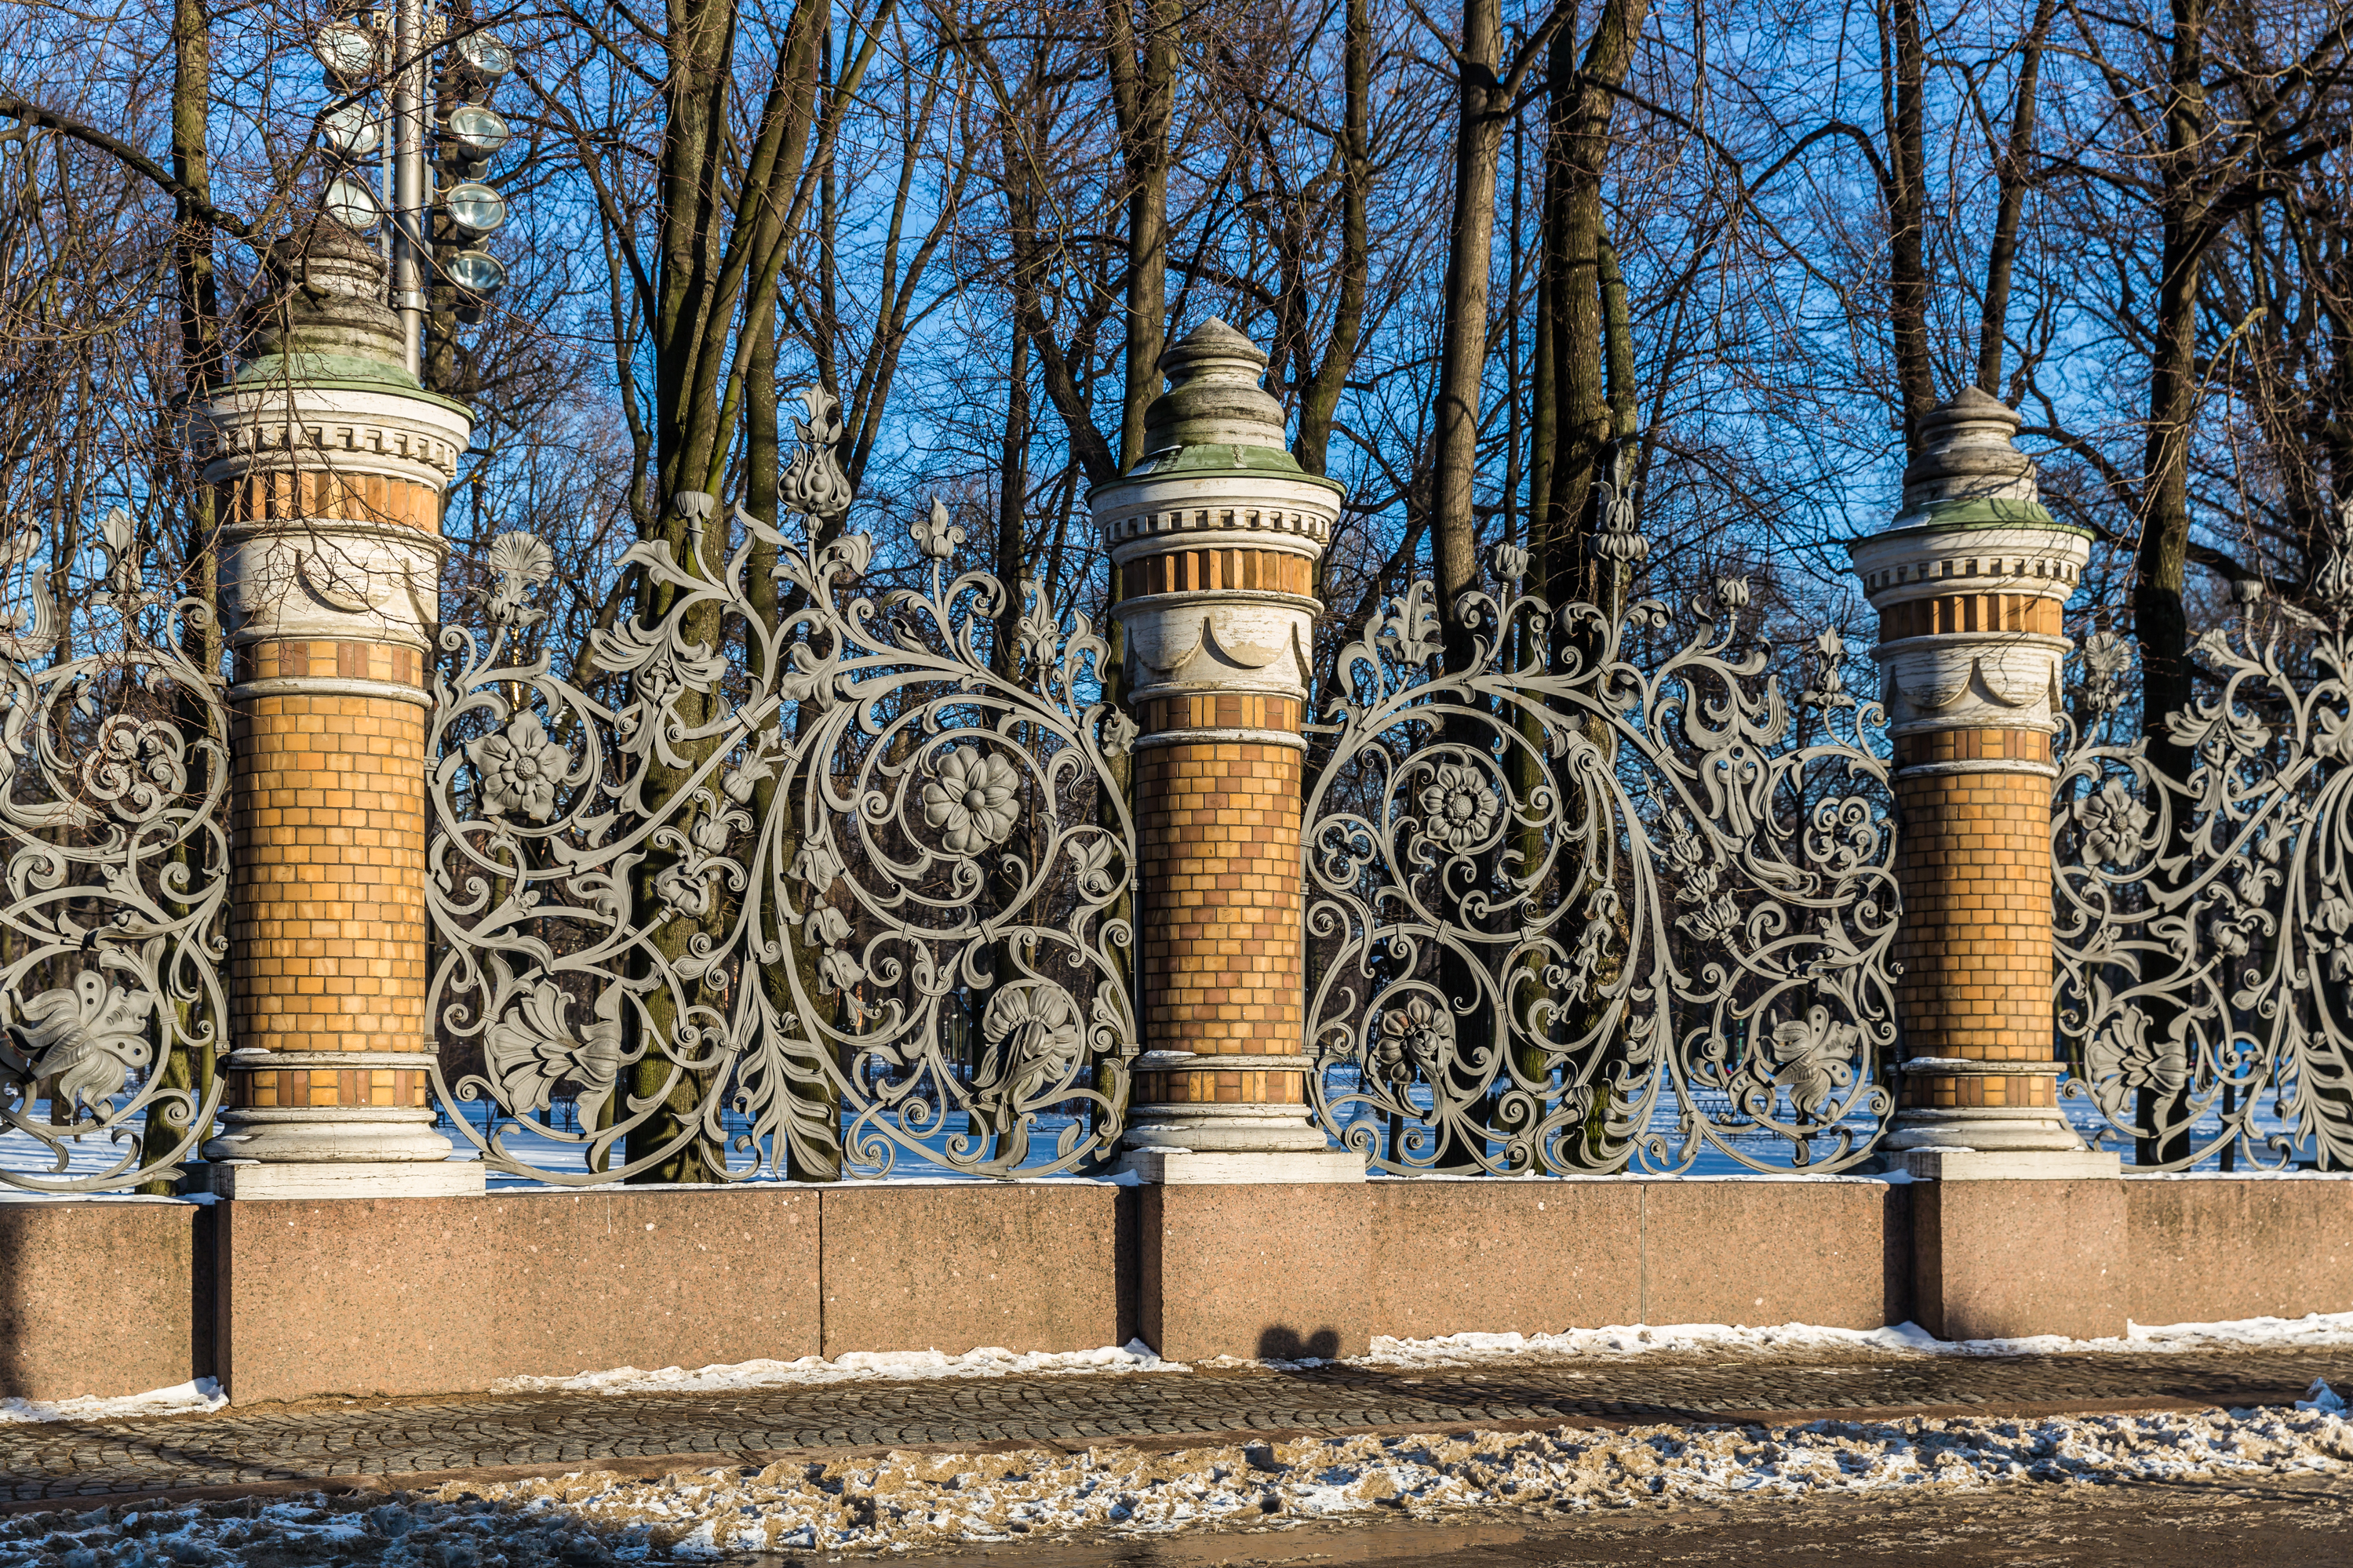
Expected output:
{"points": [[814, 485], [1618, 541]]}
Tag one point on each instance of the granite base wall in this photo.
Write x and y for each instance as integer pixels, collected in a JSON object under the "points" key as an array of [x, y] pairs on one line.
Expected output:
{"points": [[1995, 1260], [1318, 1270], [393, 1296], [2208, 1248], [450, 1295], [293, 1300], [100, 1296]]}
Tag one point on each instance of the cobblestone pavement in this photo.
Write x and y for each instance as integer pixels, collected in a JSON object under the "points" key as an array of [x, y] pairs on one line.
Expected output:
{"points": [[326, 1440]]}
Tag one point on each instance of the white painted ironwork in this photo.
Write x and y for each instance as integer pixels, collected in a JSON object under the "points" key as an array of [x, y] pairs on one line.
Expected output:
{"points": [[726, 919], [2205, 922], [1573, 914], [113, 765]]}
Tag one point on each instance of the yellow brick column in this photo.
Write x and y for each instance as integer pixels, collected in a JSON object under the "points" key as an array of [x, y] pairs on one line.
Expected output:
{"points": [[1216, 532], [329, 463], [1969, 583]]}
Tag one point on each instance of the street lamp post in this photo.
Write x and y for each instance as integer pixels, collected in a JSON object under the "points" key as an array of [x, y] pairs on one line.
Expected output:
{"points": [[411, 246], [430, 117]]}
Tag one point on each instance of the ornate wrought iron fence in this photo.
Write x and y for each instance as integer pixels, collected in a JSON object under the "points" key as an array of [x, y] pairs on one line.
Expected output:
{"points": [[1570, 914], [737, 920], [2204, 923], [113, 766]]}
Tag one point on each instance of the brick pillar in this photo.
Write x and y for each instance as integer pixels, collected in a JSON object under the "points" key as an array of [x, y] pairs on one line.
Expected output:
{"points": [[1216, 532], [1969, 583], [329, 463]]}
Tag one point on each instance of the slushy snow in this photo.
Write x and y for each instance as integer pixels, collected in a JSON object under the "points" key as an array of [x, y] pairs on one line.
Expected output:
{"points": [[914, 1502], [2316, 1331]]}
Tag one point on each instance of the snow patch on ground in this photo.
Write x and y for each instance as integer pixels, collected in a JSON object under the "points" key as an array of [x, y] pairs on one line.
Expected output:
{"points": [[182, 1399], [909, 1501], [2319, 1330], [856, 1366]]}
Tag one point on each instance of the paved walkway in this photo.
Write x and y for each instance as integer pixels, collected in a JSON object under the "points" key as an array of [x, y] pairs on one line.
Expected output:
{"points": [[325, 1441]]}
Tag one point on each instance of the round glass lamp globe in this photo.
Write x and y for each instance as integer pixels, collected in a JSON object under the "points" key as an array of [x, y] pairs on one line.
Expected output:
{"points": [[350, 130], [351, 204], [480, 131], [475, 206], [476, 271], [345, 50], [485, 56]]}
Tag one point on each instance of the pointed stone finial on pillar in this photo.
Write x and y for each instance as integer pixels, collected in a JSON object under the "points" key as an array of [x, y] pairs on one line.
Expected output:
{"points": [[1216, 532], [1969, 582], [329, 463]]}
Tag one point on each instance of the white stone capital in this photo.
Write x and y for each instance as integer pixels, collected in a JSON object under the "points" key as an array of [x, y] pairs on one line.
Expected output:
{"points": [[327, 580], [1154, 514], [1217, 641], [385, 431]]}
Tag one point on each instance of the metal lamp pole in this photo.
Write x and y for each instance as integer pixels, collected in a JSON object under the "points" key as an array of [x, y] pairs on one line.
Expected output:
{"points": [[408, 198]]}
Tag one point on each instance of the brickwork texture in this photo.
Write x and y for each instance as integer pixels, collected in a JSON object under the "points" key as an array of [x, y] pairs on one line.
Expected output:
{"points": [[1221, 906], [328, 922], [1975, 944]]}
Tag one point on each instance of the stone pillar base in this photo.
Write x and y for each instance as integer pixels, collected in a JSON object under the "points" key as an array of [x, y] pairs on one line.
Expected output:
{"points": [[329, 1135], [2005, 1259], [1989, 1129], [1230, 1141], [1182, 1167], [2012, 1164], [388, 1179]]}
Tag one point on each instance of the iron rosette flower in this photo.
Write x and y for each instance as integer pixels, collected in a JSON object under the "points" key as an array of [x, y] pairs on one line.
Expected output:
{"points": [[520, 768], [2114, 823], [971, 799], [1460, 807]]}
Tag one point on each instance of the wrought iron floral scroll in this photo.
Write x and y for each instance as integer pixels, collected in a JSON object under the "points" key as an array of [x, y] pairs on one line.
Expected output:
{"points": [[2204, 921], [833, 886], [113, 767], [1570, 913]]}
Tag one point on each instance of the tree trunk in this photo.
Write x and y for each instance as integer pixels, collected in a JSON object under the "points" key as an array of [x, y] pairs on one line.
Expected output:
{"points": [[2016, 175], [196, 301], [1319, 400], [1576, 238], [2160, 622], [1481, 114], [1144, 90], [1907, 267]]}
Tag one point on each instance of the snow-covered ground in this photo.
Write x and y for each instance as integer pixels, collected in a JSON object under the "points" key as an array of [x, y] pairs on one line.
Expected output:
{"points": [[2316, 1331], [912, 1503], [182, 1399], [856, 1366]]}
